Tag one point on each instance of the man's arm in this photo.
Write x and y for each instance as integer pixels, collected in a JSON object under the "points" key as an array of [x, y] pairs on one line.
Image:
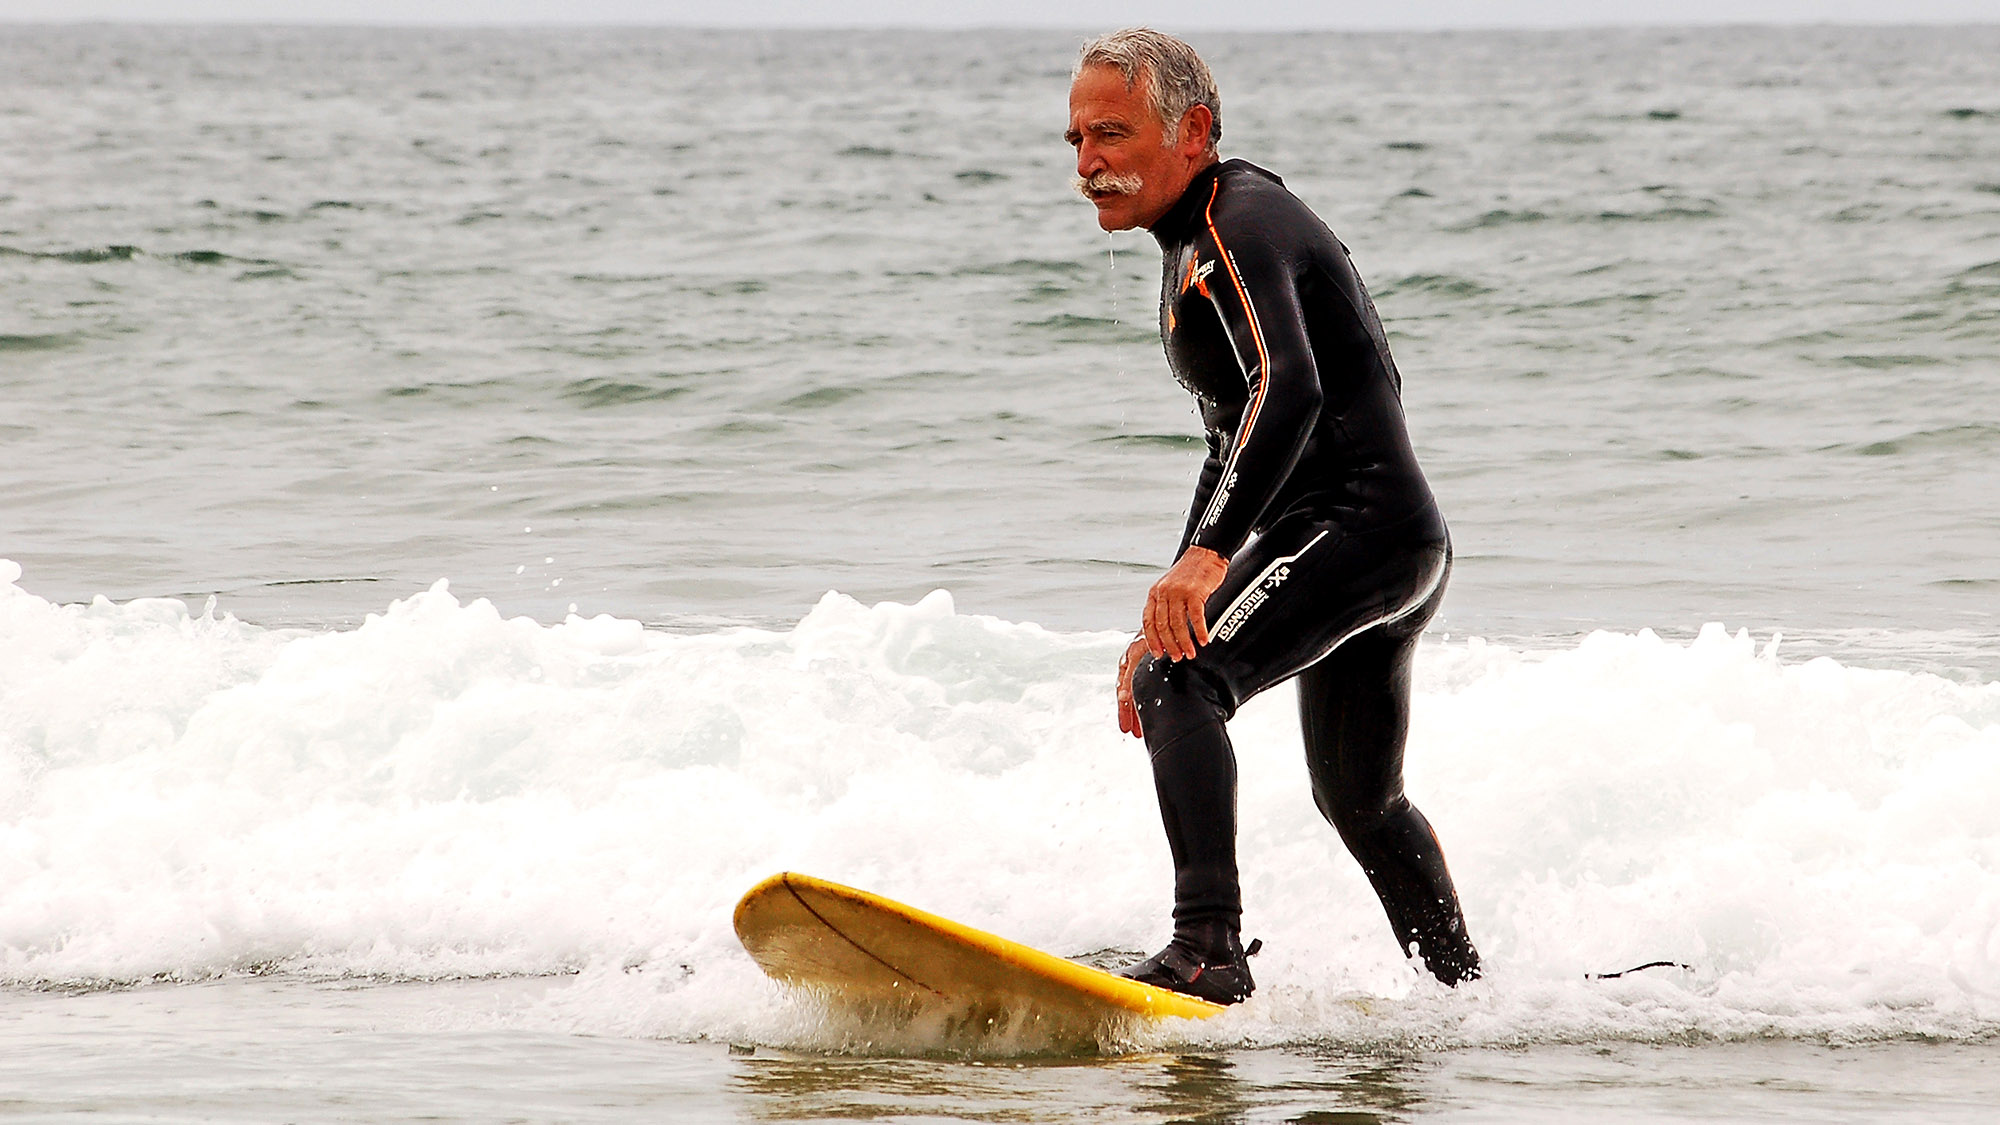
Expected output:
{"points": [[1204, 491], [1255, 292]]}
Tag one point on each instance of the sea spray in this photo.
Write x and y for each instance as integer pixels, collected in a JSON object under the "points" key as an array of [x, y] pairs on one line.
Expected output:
{"points": [[444, 791]]}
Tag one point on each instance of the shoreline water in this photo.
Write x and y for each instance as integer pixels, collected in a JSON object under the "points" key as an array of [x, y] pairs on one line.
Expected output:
{"points": [[262, 1049]]}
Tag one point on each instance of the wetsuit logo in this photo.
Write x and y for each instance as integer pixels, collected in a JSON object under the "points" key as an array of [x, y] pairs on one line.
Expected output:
{"points": [[1250, 602], [1260, 591], [1197, 275], [1215, 506]]}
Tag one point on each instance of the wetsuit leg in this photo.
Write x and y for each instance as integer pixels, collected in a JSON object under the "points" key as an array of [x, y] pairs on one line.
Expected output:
{"points": [[1194, 775], [1293, 596], [1354, 709]]}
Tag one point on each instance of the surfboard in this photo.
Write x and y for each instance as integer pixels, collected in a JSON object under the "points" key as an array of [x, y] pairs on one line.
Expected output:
{"points": [[885, 958]]}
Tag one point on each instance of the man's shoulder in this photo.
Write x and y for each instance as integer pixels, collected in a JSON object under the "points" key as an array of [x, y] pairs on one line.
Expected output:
{"points": [[1253, 199], [1237, 170]]}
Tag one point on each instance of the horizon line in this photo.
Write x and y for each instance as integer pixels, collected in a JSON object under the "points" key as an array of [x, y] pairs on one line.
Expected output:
{"points": [[627, 25]]}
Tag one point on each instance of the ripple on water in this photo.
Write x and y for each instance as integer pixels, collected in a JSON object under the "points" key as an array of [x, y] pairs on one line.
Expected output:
{"points": [[604, 391], [45, 342], [824, 396], [1501, 217], [88, 255], [1445, 284], [1030, 266], [1973, 437]]}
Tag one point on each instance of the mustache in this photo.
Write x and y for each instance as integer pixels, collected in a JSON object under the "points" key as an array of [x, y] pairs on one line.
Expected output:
{"points": [[1107, 183]]}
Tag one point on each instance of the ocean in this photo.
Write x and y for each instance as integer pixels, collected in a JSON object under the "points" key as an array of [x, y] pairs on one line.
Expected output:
{"points": [[477, 501]]}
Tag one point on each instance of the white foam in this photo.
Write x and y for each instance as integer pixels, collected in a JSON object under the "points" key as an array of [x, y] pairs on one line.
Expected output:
{"points": [[443, 792]]}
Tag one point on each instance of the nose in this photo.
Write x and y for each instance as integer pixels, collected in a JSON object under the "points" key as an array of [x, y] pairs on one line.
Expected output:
{"points": [[1088, 161]]}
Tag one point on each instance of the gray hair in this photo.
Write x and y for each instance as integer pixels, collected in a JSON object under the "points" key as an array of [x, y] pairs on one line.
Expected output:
{"points": [[1176, 78]]}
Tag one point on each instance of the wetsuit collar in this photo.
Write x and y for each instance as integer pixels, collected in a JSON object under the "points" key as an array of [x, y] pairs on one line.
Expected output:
{"points": [[1176, 224]]}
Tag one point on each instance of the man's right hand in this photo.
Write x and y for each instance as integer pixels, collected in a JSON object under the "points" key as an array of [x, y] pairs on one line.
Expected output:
{"points": [[1128, 710], [1176, 617]]}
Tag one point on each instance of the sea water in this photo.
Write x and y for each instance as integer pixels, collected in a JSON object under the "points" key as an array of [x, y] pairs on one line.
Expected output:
{"points": [[478, 501]]}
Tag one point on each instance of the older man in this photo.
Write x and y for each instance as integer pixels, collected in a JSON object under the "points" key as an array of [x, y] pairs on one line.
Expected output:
{"points": [[1313, 547]]}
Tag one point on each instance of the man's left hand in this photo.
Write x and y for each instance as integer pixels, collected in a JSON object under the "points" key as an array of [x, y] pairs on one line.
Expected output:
{"points": [[1176, 607]]}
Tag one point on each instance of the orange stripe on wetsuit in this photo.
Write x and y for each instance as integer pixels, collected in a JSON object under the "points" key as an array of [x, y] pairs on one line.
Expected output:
{"points": [[1256, 336]]}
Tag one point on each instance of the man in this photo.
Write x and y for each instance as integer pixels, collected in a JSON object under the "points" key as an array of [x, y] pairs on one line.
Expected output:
{"points": [[1313, 547]]}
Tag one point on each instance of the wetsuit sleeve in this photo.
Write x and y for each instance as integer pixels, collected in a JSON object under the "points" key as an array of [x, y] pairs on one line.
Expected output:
{"points": [[1204, 490], [1255, 291]]}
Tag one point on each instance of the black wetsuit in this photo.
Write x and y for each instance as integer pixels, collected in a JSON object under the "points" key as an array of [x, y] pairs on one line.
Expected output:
{"points": [[1309, 463]]}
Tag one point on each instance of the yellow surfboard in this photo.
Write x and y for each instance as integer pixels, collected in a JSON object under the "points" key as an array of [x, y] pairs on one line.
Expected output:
{"points": [[862, 949]]}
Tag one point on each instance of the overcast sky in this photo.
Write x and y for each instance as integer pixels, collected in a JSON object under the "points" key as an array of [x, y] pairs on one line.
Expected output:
{"points": [[1170, 14]]}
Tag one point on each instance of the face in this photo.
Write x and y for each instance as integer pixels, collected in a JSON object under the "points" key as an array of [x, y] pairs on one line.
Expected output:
{"points": [[1125, 166]]}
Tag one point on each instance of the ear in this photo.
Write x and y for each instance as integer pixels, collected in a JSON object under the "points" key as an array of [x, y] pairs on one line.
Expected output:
{"points": [[1195, 125]]}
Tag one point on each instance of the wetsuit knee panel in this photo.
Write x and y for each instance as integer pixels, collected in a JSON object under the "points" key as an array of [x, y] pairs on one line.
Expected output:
{"points": [[1356, 821], [1166, 690]]}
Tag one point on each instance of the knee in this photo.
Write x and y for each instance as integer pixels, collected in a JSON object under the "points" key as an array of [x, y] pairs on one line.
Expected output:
{"points": [[1357, 820], [1149, 680], [1170, 691]]}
